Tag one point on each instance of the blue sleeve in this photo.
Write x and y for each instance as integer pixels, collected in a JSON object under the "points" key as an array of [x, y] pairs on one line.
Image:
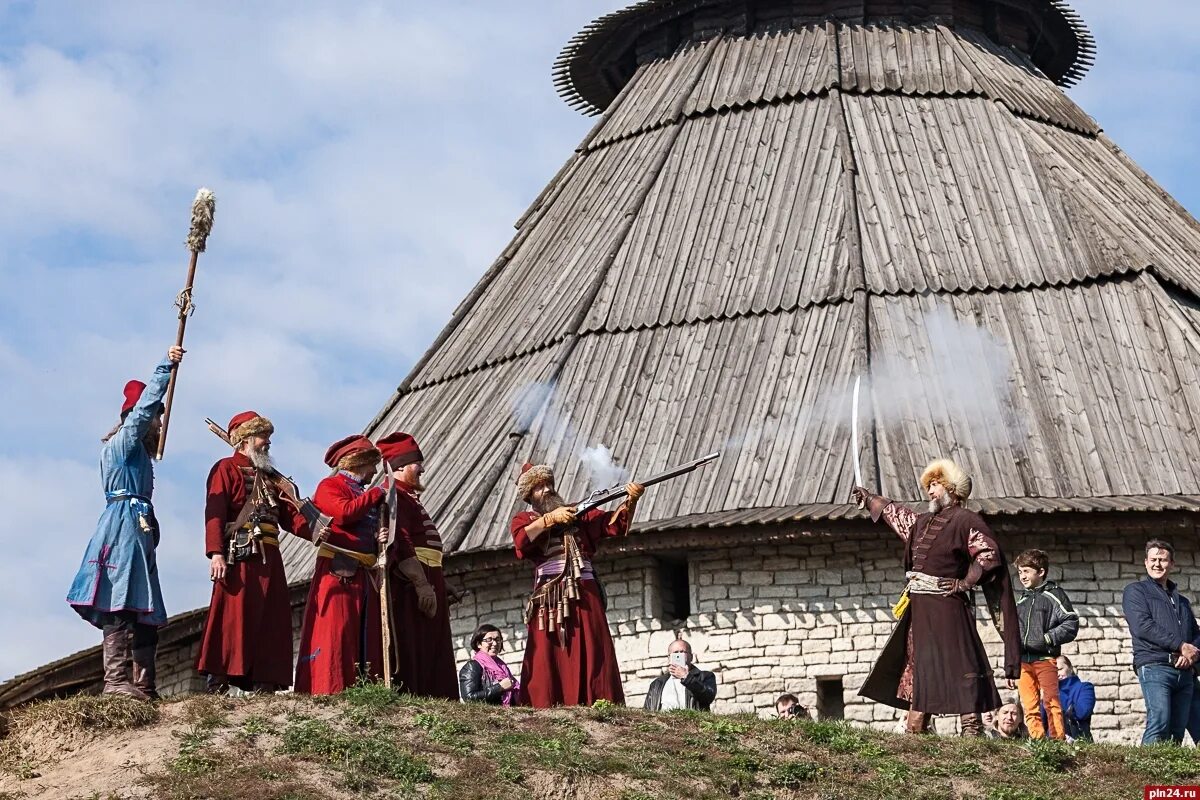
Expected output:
{"points": [[137, 422], [1141, 622], [1085, 700]]}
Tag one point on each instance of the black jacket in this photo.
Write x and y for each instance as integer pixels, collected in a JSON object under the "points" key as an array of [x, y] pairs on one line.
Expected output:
{"points": [[1160, 621], [1048, 621], [474, 686], [700, 688]]}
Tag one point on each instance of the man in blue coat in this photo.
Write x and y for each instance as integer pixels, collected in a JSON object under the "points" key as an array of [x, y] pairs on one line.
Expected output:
{"points": [[1166, 645], [116, 588]]}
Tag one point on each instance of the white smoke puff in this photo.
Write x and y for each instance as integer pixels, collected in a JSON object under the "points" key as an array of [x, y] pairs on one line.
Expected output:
{"points": [[528, 402], [602, 471]]}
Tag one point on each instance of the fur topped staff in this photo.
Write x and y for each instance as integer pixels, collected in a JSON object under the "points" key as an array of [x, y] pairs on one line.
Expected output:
{"points": [[204, 207]]}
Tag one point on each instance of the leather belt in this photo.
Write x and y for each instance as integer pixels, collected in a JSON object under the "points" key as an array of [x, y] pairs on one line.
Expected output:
{"points": [[265, 527]]}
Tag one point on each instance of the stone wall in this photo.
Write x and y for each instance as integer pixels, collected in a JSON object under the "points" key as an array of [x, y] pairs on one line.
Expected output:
{"points": [[770, 618]]}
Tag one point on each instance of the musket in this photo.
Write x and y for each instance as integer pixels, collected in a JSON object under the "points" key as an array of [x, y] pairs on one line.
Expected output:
{"points": [[203, 209], [385, 612], [602, 496], [317, 522]]}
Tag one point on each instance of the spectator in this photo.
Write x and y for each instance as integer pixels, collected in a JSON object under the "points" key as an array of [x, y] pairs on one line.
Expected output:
{"points": [[787, 706], [1047, 622], [485, 678], [1008, 724], [1078, 698], [683, 685], [1166, 645]]}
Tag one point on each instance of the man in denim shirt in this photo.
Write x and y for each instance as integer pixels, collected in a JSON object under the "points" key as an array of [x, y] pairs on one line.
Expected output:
{"points": [[1166, 645]]}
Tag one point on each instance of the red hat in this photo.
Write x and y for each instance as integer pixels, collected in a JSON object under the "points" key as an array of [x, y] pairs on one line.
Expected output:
{"points": [[248, 423], [399, 450], [133, 392], [351, 452]]}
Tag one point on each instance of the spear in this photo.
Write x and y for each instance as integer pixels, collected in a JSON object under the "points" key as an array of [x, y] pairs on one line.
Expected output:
{"points": [[203, 208]]}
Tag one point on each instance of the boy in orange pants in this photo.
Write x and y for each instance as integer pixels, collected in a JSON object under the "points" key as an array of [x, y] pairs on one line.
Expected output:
{"points": [[1047, 623]]}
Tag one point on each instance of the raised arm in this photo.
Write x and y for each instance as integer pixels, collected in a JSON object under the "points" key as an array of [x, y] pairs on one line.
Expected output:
{"points": [[900, 519], [148, 406]]}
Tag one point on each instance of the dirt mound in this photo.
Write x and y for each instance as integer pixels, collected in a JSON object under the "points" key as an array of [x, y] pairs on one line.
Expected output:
{"points": [[370, 742]]}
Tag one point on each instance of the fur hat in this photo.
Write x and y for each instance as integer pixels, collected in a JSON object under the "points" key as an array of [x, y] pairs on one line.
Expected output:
{"points": [[133, 392], [352, 453], [400, 450], [247, 424], [531, 477], [949, 475]]}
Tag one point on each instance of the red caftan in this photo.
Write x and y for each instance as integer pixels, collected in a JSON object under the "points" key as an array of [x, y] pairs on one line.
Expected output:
{"points": [[248, 634], [341, 619], [575, 665], [422, 650]]}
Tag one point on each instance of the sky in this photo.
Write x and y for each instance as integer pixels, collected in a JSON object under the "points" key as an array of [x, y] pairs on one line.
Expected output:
{"points": [[369, 161]]}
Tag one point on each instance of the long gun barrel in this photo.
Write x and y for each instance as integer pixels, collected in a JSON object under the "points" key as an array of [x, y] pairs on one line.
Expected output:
{"points": [[317, 522], [602, 496]]}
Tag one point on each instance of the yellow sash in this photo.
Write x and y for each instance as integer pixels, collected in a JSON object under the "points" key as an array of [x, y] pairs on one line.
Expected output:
{"points": [[366, 559], [428, 556]]}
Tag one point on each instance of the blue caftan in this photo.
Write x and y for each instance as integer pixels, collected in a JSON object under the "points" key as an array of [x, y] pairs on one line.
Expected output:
{"points": [[119, 571]]}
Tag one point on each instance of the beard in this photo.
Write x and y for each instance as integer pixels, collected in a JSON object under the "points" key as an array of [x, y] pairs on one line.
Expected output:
{"points": [[937, 504], [261, 459], [547, 502]]}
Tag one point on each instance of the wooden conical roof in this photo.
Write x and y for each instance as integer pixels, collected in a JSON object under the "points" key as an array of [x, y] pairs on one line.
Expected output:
{"points": [[756, 220]]}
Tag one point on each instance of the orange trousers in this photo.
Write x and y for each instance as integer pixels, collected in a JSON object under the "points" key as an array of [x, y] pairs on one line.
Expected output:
{"points": [[1038, 686]]}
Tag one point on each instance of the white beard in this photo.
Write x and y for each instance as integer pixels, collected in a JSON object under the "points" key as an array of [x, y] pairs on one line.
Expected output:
{"points": [[260, 460]]}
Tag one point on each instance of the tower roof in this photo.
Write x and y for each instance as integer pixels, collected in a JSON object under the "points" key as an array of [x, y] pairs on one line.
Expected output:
{"points": [[601, 59], [759, 219]]}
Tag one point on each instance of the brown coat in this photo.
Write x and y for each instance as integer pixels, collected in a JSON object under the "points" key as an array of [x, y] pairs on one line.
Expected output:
{"points": [[936, 645]]}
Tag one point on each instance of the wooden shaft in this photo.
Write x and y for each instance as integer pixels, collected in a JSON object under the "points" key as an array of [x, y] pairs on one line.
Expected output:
{"points": [[385, 616], [183, 318]]}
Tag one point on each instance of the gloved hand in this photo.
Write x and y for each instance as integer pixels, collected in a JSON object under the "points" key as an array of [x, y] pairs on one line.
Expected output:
{"points": [[412, 570], [859, 496], [635, 491], [563, 515], [954, 586], [426, 599]]}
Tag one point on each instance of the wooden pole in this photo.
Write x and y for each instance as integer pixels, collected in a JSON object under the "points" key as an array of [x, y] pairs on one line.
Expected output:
{"points": [[203, 209], [185, 307]]}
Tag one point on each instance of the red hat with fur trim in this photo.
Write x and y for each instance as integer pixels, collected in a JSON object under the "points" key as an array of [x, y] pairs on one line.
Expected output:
{"points": [[246, 424], [399, 450], [133, 392], [353, 452], [532, 476]]}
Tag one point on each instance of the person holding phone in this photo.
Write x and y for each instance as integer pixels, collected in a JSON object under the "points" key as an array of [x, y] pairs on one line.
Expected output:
{"points": [[683, 685]]}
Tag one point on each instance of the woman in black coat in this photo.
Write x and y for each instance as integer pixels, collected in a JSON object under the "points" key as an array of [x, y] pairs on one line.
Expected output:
{"points": [[485, 677]]}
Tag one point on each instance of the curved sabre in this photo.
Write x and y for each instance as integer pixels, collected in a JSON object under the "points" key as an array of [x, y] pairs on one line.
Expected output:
{"points": [[858, 481]]}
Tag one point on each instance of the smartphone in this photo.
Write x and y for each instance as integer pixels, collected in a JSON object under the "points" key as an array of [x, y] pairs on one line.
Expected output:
{"points": [[679, 659]]}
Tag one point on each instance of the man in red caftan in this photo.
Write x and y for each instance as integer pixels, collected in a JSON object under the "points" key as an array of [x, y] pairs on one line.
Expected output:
{"points": [[934, 662], [422, 650], [247, 639], [569, 655], [341, 638]]}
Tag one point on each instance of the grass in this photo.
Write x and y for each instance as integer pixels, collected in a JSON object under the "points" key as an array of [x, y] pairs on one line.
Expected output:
{"points": [[362, 759], [104, 712]]}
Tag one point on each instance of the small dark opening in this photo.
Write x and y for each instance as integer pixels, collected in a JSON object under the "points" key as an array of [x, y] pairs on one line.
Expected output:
{"points": [[674, 592], [831, 699]]}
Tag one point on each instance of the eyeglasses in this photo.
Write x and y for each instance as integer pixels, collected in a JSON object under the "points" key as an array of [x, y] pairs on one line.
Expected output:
{"points": [[493, 639]]}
